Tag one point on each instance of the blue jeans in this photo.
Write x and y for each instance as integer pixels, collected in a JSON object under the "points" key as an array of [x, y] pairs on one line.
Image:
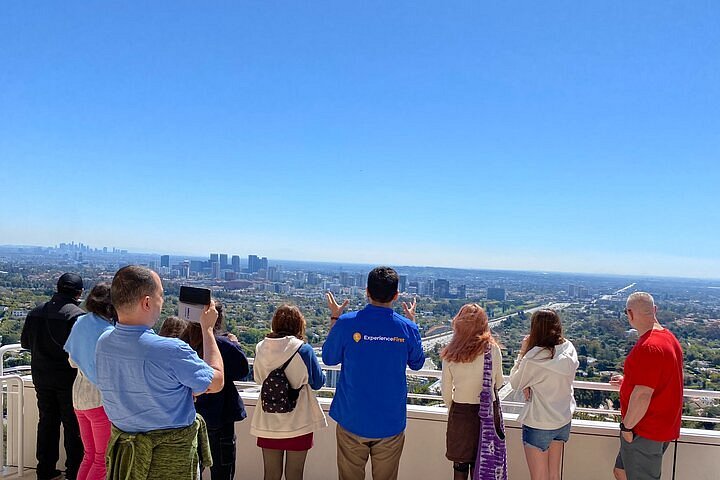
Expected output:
{"points": [[541, 439]]}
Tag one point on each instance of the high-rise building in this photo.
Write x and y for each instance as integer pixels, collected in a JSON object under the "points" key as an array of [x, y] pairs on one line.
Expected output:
{"points": [[216, 270], [165, 261], [442, 288], [224, 261], [273, 274], [495, 293], [429, 289], [214, 257], [185, 269], [263, 263], [402, 283], [572, 291], [236, 263], [461, 291], [253, 263]]}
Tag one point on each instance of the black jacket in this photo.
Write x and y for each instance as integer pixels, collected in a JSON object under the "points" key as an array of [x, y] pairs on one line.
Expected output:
{"points": [[225, 406], [46, 329]]}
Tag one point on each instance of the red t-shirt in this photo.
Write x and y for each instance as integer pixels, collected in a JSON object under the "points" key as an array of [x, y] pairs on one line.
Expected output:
{"points": [[656, 361]]}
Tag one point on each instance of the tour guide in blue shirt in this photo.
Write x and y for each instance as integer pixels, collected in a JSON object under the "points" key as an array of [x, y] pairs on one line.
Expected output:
{"points": [[374, 347], [147, 381]]}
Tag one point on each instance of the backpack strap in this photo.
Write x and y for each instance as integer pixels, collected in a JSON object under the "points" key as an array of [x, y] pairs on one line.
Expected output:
{"points": [[284, 365]]}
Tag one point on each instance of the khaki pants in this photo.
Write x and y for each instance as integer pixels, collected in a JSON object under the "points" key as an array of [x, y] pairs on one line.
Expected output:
{"points": [[353, 451]]}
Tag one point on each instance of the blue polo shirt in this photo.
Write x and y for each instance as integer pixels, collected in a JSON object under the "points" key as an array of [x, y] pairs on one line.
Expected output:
{"points": [[374, 346], [146, 380]]}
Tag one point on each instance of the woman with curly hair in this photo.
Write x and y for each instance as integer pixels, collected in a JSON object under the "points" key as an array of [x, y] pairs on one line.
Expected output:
{"points": [[463, 361]]}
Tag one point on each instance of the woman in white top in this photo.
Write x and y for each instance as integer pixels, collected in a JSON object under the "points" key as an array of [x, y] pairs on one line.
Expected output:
{"points": [[462, 380], [544, 371], [80, 345], [286, 436]]}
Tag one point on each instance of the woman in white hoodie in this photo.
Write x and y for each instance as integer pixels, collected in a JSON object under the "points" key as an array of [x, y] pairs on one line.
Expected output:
{"points": [[544, 371], [286, 437]]}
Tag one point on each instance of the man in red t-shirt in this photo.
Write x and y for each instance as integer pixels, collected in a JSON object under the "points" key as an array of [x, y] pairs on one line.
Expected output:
{"points": [[651, 394]]}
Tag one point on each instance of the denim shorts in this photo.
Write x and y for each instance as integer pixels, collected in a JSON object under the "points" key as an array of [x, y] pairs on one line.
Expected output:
{"points": [[541, 439]]}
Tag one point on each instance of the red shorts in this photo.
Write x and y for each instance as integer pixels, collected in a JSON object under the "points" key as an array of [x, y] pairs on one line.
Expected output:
{"points": [[294, 444]]}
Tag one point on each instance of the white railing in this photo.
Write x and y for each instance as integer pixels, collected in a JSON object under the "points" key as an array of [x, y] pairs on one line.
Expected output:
{"points": [[5, 349], [13, 385], [696, 451], [577, 384]]}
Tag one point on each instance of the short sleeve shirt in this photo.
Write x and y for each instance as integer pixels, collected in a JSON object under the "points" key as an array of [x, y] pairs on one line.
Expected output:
{"points": [[147, 381], [656, 361], [374, 345]]}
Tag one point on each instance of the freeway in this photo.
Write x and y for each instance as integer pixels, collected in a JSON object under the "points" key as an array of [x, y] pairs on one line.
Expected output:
{"points": [[623, 290], [444, 338]]}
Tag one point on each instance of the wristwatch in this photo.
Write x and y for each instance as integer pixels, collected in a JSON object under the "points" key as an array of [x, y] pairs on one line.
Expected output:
{"points": [[623, 428]]}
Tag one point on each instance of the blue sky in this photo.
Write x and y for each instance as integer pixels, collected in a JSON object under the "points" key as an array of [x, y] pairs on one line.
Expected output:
{"points": [[566, 136]]}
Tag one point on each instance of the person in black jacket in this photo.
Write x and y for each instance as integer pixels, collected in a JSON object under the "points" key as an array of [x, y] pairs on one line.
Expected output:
{"points": [[222, 409], [46, 330]]}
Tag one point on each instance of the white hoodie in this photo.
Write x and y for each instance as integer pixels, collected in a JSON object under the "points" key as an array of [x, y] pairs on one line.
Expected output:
{"points": [[550, 379], [307, 416]]}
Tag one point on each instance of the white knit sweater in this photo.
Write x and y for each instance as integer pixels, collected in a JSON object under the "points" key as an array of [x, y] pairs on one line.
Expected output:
{"points": [[462, 382]]}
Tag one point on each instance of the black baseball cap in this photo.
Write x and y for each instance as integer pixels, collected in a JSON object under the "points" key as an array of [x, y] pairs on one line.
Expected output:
{"points": [[70, 281]]}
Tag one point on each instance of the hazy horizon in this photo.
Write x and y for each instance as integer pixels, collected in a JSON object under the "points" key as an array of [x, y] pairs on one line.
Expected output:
{"points": [[554, 136], [278, 260]]}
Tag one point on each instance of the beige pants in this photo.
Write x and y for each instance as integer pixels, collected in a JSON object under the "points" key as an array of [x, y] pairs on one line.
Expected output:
{"points": [[353, 451]]}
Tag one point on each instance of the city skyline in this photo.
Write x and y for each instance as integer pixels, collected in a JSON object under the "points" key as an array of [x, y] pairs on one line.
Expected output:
{"points": [[244, 261], [546, 137]]}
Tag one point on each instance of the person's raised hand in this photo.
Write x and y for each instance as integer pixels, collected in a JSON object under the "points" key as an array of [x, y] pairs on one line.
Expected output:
{"points": [[524, 345], [335, 309], [409, 309], [209, 316]]}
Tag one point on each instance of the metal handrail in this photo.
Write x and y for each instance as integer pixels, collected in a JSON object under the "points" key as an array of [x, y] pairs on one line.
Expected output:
{"points": [[577, 384], [6, 384], [14, 347]]}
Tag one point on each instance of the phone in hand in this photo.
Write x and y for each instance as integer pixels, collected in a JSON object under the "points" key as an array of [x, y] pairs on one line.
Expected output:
{"points": [[193, 302]]}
